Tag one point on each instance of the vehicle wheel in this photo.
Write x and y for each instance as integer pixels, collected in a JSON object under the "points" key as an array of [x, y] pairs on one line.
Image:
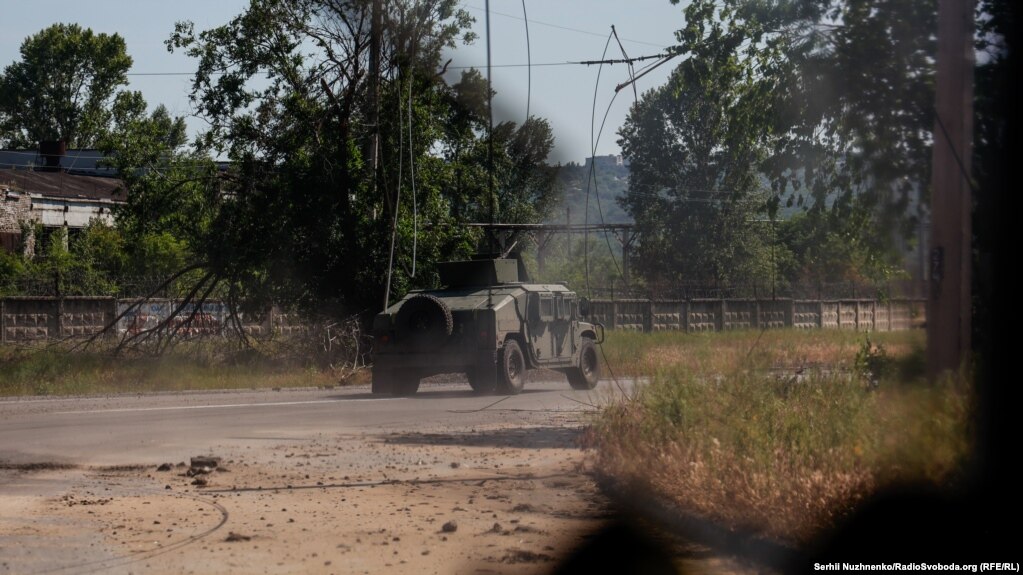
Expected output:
{"points": [[586, 375], [482, 380], [511, 368], [405, 382], [425, 322], [400, 382], [382, 378]]}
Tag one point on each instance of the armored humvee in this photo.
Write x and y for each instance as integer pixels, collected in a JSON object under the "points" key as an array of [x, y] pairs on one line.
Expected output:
{"points": [[489, 323]]}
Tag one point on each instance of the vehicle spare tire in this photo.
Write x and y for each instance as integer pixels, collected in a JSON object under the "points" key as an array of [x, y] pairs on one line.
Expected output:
{"points": [[424, 322]]}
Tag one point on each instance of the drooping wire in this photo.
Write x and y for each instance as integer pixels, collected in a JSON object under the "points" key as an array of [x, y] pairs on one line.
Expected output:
{"points": [[412, 177], [397, 204], [586, 208], [529, 63], [490, 134], [592, 176], [632, 69]]}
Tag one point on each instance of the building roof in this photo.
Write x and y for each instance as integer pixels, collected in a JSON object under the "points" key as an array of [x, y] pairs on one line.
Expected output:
{"points": [[86, 160], [69, 185]]}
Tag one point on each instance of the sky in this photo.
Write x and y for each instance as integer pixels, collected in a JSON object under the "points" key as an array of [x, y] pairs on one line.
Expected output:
{"points": [[559, 31]]}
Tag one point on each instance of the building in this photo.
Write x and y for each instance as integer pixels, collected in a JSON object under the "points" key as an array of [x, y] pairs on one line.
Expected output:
{"points": [[53, 188], [608, 161]]}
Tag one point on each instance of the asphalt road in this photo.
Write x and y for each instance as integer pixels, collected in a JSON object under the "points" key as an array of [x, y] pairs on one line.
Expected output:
{"points": [[80, 490], [153, 428]]}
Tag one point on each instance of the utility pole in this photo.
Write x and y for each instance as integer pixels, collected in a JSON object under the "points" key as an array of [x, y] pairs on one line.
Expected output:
{"points": [[949, 307]]}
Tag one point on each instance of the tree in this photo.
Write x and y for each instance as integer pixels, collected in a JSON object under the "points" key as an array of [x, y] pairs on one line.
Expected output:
{"points": [[694, 146], [63, 87], [852, 108], [300, 218]]}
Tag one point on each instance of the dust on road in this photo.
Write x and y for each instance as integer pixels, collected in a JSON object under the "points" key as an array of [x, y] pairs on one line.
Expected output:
{"points": [[495, 499]]}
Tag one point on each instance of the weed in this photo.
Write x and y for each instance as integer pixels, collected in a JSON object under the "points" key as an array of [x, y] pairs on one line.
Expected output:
{"points": [[725, 434]]}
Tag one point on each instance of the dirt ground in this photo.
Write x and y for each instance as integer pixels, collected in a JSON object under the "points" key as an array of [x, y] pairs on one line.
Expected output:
{"points": [[328, 506], [513, 495], [425, 503]]}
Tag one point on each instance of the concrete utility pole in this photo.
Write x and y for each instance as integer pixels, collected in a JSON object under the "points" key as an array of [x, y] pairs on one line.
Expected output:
{"points": [[949, 308]]}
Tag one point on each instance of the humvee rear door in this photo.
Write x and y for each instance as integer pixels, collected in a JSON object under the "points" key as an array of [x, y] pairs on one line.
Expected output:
{"points": [[541, 317], [561, 326]]}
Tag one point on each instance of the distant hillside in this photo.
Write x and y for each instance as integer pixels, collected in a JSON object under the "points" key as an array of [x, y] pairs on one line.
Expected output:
{"points": [[612, 181]]}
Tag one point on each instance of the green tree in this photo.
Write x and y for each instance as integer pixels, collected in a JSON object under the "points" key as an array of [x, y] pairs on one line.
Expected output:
{"points": [[694, 146], [63, 87], [828, 101], [301, 218], [852, 108]]}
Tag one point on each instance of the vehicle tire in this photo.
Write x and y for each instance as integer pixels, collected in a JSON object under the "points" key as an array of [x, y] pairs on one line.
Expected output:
{"points": [[424, 322], [585, 376], [405, 382], [382, 378], [511, 368], [482, 380]]}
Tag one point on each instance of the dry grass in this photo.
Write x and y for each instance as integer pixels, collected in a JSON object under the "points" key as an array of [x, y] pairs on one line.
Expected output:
{"points": [[726, 437], [52, 370]]}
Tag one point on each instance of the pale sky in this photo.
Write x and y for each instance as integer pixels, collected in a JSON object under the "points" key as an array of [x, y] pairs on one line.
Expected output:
{"points": [[559, 31]]}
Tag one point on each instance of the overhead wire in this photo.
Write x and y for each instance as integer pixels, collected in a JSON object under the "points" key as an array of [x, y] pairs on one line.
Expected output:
{"points": [[529, 63], [592, 177], [412, 177], [397, 204], [559, 27]]}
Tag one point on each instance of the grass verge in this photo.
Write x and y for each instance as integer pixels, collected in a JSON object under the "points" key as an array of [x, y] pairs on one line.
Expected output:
{"points": [[779, 433], [199, 365]]}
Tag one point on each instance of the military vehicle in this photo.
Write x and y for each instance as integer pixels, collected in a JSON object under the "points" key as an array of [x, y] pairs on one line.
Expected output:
{"points": [[488, 322]]}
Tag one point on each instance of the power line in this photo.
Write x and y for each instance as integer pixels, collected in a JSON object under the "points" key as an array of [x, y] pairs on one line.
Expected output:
{"points": [[560, 27]]}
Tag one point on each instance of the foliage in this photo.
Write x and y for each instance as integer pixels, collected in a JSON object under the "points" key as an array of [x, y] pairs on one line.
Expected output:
{"points": [[302, 218], [836, 246], [694, 147], [829, 102], [610, 182], [63, 87]]}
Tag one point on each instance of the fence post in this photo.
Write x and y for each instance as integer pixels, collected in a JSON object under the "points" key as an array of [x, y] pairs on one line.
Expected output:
{"points": [[614, 313], [3, 320], [723, 307], [685, 315], [112, 311], [648, 316], [859, 310], [820, 314], [756, 311], [790, 313], [60, 316]]}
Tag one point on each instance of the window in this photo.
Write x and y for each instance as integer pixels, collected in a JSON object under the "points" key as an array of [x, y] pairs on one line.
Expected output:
{"points": [[546, 307]]}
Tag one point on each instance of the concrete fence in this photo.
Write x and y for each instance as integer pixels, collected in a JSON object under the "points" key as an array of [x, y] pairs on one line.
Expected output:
{"points": [[41, 318], [728, 314]]}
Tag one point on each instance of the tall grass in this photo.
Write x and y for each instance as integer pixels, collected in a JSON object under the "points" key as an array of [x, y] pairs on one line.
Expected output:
{"points": [[197, 366], [729, 430]]}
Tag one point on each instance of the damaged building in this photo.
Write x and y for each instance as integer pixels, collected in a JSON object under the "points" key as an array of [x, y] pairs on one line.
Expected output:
{"points": [[53, 188]]}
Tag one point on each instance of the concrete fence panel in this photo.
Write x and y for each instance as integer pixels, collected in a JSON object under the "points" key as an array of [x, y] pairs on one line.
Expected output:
{"points": [[31, 319], [632, 315], [776, 314], [704, 315], [667, 315], [806, 314], [740, 314], [86, 316], [847, 315]]}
